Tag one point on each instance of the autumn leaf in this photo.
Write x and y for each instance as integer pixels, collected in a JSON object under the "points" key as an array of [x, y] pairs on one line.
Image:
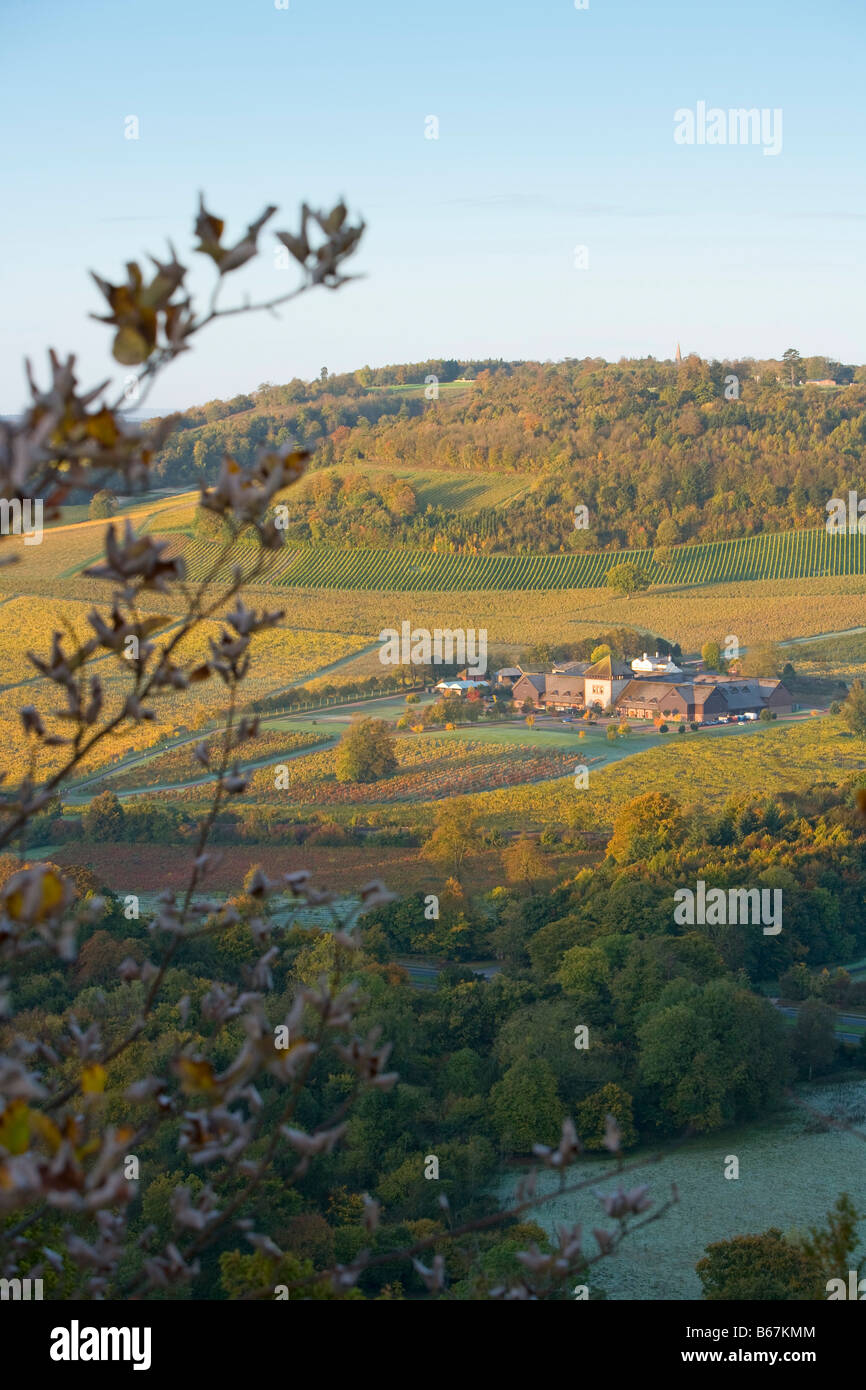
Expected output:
{"points": [[196, 1075], [130, 347], [93, 1079], [15, 1127], [52, 890], [209, 230], [47, 1129], [103, 427]]}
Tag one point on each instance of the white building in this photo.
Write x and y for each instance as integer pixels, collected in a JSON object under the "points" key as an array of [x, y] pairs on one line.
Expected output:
{"points": [[458, 687], [655, 666]]}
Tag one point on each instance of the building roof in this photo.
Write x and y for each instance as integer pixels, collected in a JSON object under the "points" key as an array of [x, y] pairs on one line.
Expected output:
{"points": [[711, 678], [658, 693], [703, 692], [459, 684], [738, 693], [563, 687], [744, 694], [570, 668], [535, 678], [607, 670]]}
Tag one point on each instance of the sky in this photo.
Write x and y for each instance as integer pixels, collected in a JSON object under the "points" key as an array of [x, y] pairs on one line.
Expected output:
{"points": [[555, 132]]}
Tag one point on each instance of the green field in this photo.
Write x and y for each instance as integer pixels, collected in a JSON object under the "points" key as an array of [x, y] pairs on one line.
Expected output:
{"points": [[412, 388], [815, 1165], [789, 555], [467, 490]]}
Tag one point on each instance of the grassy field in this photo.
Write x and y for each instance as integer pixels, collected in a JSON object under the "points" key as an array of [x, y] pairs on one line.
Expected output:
{"points": [[790, 1176], [178, 764], [46, 592], [457, 490], [153, 868], [702, 768], [403, 586], [27, 623], [756, 612], [794, 555], [450, 389], [520, 779], [281, 656], [463, 490], [70, 544]]}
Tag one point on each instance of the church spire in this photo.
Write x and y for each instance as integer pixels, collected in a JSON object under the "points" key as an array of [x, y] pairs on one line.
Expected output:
{"points": [[679, 357]]}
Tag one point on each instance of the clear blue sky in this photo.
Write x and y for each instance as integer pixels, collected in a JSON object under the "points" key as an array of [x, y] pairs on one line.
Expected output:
{"points": [[556, 130]]}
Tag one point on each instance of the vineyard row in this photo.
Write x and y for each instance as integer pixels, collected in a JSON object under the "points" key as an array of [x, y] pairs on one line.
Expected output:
{"points": [[787, 555]]}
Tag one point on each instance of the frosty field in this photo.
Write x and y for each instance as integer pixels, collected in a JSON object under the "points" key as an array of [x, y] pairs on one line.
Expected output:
{"points": [[789, 1177]]}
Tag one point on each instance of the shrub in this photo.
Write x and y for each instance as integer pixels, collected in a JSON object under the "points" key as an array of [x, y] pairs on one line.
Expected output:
{"points": [[366, 752], [760, 1267], [103, 504]]}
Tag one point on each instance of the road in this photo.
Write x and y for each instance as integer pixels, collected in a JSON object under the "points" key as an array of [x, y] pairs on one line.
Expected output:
{"points": [[844, 1022], [424, 972]]}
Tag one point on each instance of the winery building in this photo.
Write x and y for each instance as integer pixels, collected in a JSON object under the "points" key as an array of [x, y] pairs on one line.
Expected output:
{"points": [[648, 699], [610, 684], [704, 699]]}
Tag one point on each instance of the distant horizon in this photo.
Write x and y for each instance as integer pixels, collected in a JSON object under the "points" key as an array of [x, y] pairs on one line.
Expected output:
{"points": [[505, 361], [153, 413]]}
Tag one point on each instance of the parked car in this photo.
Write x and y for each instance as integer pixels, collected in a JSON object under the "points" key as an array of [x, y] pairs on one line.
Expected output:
{"points": [[750, 714]]}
